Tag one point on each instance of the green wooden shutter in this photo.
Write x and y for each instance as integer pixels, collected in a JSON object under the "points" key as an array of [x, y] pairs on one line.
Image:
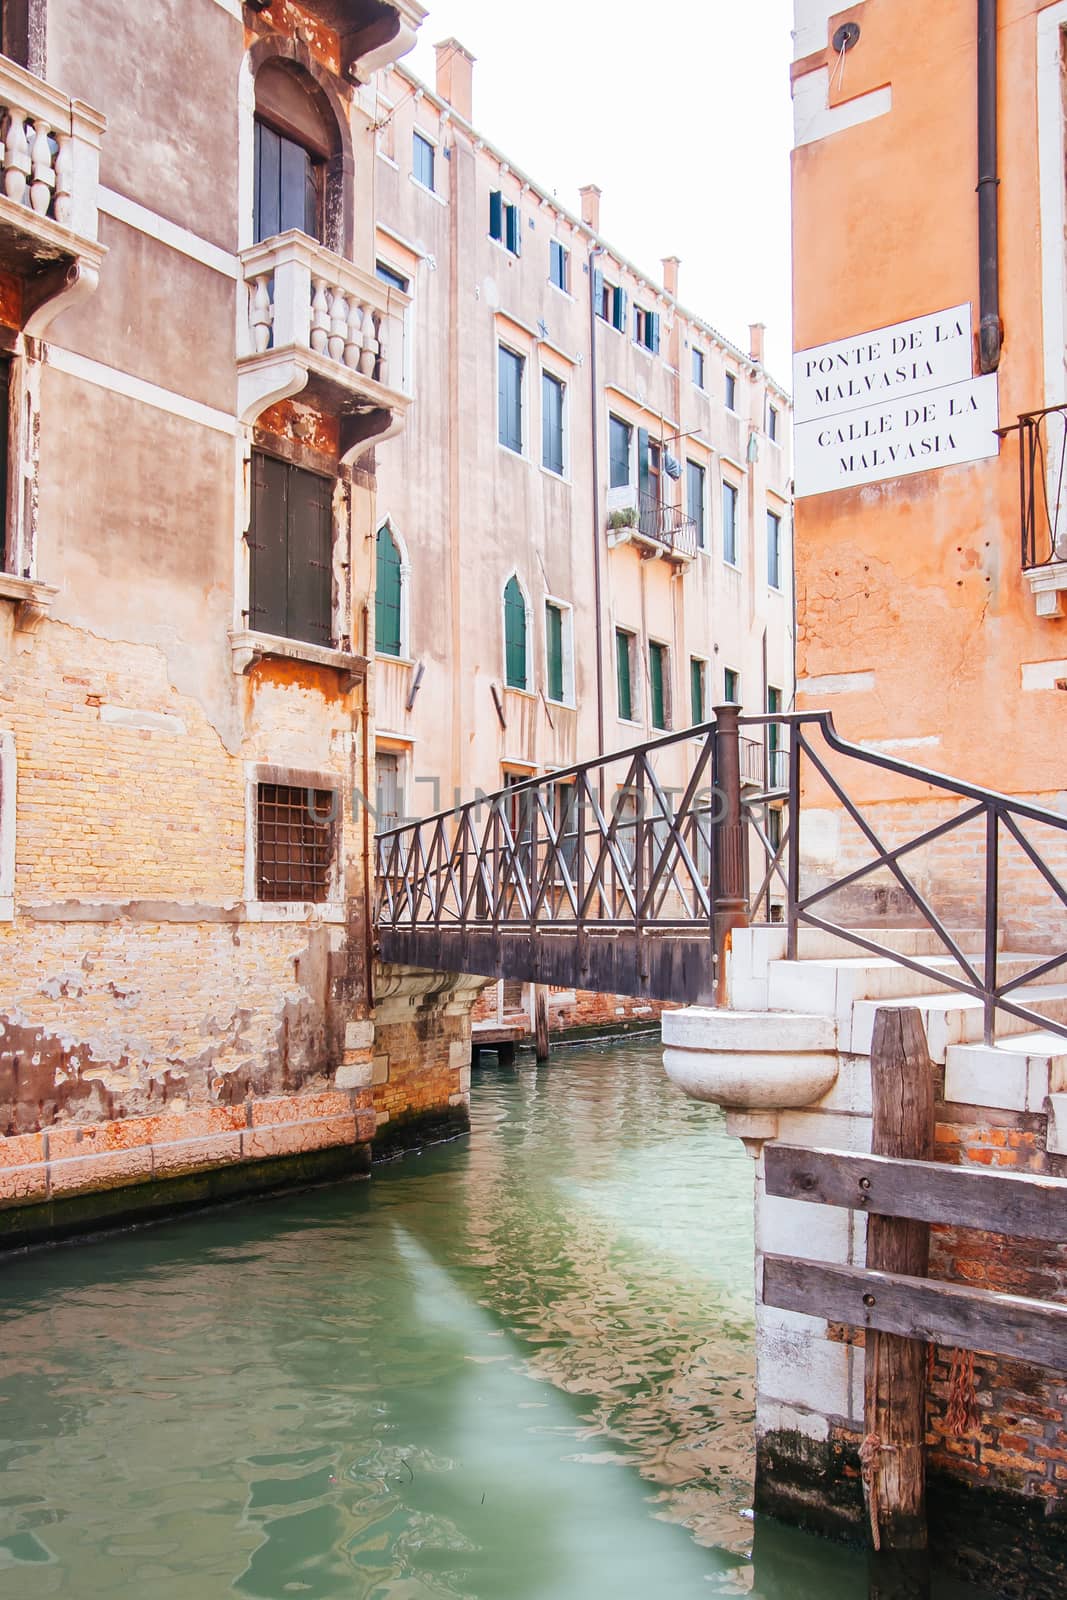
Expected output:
{"points": [[554, 635], [552, 423], [622, 675], [618, 453], [387, 596], [513, 220], [268, 538], [696, 678], [514, 635], [510, 399], [656, 677], [643, 482], [620, 310], [496, 215], [310, 541]]}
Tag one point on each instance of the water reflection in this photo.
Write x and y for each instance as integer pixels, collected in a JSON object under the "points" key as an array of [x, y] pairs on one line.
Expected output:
{"points": [[514, 1369]]}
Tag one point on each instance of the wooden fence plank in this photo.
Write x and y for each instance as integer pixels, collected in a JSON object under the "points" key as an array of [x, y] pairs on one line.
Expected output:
{"points": [[920, 1308], [1023, 1205]]}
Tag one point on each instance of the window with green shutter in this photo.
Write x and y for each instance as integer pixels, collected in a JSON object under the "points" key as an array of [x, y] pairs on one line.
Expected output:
{"points": [[288, 184], [694, 494], [729, 524], [774, 550], [510, 368], [624, 643], [696, 682], [291, 548], [387, 611], [731, 686], [619, 436], [554, 648], [552, 423], [657, 683], [515, 635]]}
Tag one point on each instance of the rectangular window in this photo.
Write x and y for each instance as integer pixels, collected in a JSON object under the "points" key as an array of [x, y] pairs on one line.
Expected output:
{"points": [[729, 523], [774, 550], [698, 368], [697, 670], [554, 643], [510, 392], [295, 838], [395, 280], [620, 435], [559, 265], [646, 329], [731, 392], [552, 391], [694, 498], [388, 803], [776, 775], [731, 686], [288, 186], [658, 683], [624, 654], [772, 423], [422, 160], [504, 222], [610, 301], [291, 543]]}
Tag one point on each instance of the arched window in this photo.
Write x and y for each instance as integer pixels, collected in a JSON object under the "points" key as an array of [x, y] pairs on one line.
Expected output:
{"points": [[295, 140], [516, 668], [387, 596]]}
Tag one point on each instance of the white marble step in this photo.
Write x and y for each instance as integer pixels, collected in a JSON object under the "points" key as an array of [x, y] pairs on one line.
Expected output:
{"points": [[951, 1019], [1017, 1073], [834, 986], [755, 950]]}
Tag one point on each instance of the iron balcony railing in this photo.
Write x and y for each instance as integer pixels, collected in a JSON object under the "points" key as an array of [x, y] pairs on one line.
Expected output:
{"points": [[1042, 485], [669, 525]]}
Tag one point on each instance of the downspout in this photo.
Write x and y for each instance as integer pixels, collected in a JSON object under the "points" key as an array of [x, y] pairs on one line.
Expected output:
{"points": [[990, 331], [594, 406]]}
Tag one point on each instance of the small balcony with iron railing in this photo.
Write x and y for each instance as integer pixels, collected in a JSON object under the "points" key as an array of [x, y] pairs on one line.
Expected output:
{"points": [[656, 527], [320, 324], [1043, 505], [764, 762], [50, 165]]}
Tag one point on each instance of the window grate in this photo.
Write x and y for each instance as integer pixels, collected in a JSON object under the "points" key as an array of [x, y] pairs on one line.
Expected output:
{"points": [[294, 842]]}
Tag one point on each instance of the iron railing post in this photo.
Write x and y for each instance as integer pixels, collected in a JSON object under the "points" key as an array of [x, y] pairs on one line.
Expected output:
{"points": [[992, 897], [793, 826], [730, 902]]}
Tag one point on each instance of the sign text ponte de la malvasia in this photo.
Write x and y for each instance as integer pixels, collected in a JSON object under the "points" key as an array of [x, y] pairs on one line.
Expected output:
{"points": [[892, 402]]}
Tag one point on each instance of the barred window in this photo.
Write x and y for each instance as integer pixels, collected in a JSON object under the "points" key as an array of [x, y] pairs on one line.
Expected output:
{"points": [[295, 842]]}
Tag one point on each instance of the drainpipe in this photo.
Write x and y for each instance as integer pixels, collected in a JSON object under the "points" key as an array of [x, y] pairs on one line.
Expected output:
{"points": [[596, 250], [990, 332]]}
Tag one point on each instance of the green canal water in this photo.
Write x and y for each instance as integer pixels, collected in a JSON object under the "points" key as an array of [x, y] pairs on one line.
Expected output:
{"points": [[517, 1367]]}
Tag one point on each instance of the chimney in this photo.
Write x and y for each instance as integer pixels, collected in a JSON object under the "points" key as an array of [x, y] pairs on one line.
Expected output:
{"points": [[756, 330], [455, 77], [670, 275], [591, 206]]}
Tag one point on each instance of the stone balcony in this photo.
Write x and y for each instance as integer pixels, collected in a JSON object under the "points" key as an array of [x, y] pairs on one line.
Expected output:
{"points": [[318, 323], [371, 33], [50, 164]]}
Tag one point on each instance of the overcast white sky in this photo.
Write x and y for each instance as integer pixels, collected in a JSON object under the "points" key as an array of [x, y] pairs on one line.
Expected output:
{"points": [[679, 110]]}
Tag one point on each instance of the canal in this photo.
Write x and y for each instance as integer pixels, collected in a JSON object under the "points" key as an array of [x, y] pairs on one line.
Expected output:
{"points": [[517, 1367]]}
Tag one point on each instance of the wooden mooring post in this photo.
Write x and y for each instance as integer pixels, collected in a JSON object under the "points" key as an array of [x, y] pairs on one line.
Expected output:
{"points": [[893, 1454], [541, 1022]]}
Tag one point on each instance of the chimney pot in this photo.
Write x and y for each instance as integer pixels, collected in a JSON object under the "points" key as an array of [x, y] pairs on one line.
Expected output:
{"points": [[455, 77], [756, 330], [670, 275], [591, 206]]}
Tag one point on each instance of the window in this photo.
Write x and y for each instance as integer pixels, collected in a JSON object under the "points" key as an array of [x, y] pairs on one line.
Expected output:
{"points": [[554, 650], [620, 435], [624, 675], [729, 523], [395, 280], [504, 222], [511, 368], [776, 775], [646, 329], [288, 186], [292, 552], [774, 550], [697, 679], [731, 392], [658, 684], [698, 368], [520, 814], [516, 657], [694, 498], [422, 160], [295, 837], [649, 483], [772, 423], [559, 265], [552, 392], [295, 138], [389, 790], [610, 302], [388, 611], [731, 686]]}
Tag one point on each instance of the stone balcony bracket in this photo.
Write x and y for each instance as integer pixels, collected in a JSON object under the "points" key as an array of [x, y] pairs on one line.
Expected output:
{"points": [[248, 647], [318, 321], [49, 182], [1048, 585], [32, 600]]}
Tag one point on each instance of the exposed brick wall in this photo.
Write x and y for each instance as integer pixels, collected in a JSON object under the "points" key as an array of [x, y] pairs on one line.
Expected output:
{"points": [[569, 1010]]}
